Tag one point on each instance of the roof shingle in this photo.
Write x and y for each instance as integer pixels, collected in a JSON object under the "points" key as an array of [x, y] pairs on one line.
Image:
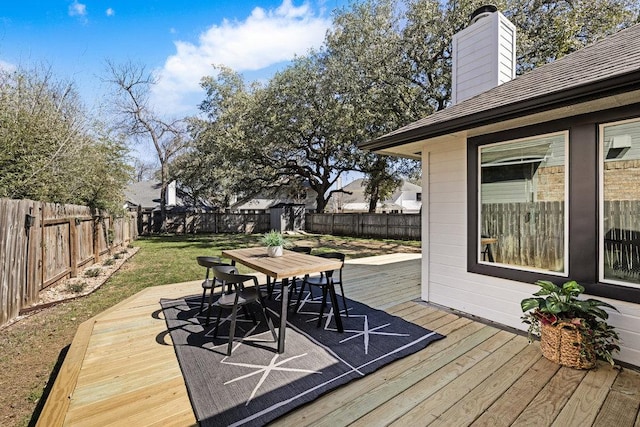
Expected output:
{"points": [[614, 57]]}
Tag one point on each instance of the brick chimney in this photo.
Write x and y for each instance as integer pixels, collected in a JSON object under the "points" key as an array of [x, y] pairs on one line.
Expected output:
{"points": [[484, 54]]}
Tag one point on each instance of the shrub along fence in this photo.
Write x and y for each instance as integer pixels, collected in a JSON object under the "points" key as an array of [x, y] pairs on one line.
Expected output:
{"points": [[43, 243]]}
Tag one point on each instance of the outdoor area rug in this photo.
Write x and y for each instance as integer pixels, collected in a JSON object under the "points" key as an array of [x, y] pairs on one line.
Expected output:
{"points": [[256, 384]]}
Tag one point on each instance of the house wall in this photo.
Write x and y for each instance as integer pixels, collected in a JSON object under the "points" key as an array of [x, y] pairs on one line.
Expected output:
{"points": [[445, 279]]}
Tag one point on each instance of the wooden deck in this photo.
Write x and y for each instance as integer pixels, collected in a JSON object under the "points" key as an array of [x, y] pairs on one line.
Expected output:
{"points": [[121, 370]]}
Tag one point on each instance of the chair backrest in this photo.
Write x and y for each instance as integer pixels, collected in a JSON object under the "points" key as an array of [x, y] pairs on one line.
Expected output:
{"points": [[302, 249], [334, 255], [229, 276], [209, 261]]}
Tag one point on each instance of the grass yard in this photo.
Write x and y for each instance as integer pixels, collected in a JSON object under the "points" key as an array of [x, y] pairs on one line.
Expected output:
{"points": [[32, 349]]}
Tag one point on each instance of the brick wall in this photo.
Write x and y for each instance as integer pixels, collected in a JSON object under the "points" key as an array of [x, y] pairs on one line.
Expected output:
{"points": [[622, 179]]}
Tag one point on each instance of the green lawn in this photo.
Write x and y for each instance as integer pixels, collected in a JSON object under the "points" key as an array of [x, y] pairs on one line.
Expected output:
{"points": [[172, 259]]}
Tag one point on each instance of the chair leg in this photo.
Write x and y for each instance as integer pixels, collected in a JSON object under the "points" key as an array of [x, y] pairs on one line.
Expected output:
{"points": [[204, 294], [206, 323], [293, 287], [232, 329], [336, 309], [215, 329], [300, 296], [344, 300], [269, 322], [323, 304], [269, 287]]}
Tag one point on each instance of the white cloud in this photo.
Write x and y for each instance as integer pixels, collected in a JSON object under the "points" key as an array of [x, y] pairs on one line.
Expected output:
{"points": [[77, 9], [110, 12], [7, 66], [265, 38]]}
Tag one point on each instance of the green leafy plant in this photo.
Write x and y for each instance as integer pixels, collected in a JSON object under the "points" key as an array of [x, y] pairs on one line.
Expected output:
{"points": [[274, 238], [110, 261], [554, 304]]}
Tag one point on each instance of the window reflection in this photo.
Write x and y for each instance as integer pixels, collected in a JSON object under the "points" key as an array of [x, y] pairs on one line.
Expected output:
{"points": [[620, 209], [522, 203]]}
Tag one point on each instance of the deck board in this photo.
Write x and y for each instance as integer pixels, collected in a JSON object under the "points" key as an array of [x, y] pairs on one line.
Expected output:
{"points": [[122, 370], [505, 410]]}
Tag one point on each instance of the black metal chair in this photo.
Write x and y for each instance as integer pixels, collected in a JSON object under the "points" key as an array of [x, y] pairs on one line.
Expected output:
{"points": [[209, 282], [241, 296], [327, 282]]}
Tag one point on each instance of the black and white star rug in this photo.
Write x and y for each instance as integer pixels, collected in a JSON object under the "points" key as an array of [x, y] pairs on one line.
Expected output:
{"points": [[256, 384]]}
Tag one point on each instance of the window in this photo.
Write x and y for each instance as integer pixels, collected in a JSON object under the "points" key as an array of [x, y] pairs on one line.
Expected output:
{"points": [[597, 157], [620, 203], [522, 214]]}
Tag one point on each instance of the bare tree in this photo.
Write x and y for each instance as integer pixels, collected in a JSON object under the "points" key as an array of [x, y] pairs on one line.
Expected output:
{"points": [[143, 170], [139, 121]]}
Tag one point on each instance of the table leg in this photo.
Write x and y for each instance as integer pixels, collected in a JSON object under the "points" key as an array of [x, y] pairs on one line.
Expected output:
{"points": [[283, 314], [336, 308]]}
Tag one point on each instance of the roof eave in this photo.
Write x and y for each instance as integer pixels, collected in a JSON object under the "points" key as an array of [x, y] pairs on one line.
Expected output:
{"points": [[579, 94]]}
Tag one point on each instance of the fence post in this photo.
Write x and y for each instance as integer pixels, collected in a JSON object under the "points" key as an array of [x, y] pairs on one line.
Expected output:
{"points": [[73, 247], [96, 243], [386, 229], [333, 218]]}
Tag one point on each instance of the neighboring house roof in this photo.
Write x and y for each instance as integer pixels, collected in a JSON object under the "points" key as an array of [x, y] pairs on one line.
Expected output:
{"points": [[608, 67], [263, 203], [257, 204], [144, 193], [357, 201]]}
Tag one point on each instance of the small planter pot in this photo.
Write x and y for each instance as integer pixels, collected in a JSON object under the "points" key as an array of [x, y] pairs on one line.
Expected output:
{"points": [[274, 251]]}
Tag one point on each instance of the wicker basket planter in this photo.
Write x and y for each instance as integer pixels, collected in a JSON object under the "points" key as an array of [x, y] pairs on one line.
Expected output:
{"points": [[573, 331], [563, 344]]}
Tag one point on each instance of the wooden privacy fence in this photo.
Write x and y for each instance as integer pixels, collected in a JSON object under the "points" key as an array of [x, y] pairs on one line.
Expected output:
{"points": [[622, 239], [530, 234], [43, 243], [382, 226], [205, 222]]}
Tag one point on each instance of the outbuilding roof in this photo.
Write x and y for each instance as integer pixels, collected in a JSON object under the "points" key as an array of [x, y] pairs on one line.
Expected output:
{"points": [[607, 67]]}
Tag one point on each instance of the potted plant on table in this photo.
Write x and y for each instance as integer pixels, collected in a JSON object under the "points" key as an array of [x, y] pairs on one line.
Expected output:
{"points": [[275, 243], [573, 332]]}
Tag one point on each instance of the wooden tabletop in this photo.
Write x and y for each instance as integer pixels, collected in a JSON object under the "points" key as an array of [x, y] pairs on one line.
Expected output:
{"points": [[288, 265], [488, 240]]}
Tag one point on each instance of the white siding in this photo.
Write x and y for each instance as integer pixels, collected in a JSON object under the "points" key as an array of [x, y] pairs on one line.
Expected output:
{"points": [[445, 280]]}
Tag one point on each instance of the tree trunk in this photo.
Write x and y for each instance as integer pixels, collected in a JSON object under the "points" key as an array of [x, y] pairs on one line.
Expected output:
{"points": [[163, 196], [373, 202]]}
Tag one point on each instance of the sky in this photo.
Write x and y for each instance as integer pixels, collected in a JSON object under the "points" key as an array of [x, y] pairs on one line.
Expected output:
{"points": [[177, 40]]}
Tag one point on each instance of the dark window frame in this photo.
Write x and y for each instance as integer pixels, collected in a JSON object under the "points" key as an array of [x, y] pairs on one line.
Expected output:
{"points": [[582, 202]]}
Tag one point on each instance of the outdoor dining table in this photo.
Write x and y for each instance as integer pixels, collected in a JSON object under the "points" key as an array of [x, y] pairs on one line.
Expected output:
{"points": [[290, 264]]}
